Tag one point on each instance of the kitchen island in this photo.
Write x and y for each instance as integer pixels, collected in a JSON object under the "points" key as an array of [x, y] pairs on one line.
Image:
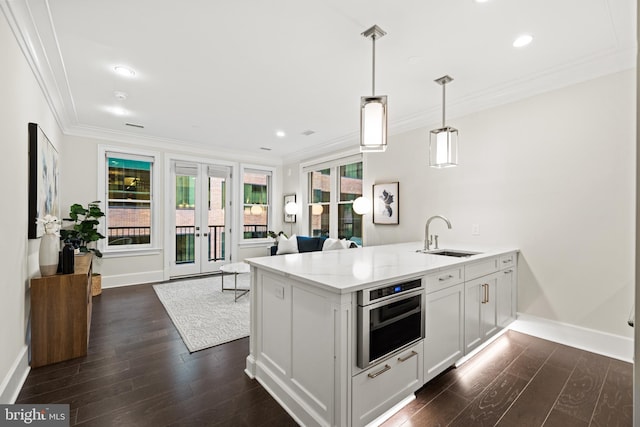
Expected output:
{"points": [[304, 325]]}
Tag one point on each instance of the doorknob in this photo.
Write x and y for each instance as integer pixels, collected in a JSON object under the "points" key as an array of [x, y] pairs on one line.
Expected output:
{"points": [[197, 234], [204, 234]]}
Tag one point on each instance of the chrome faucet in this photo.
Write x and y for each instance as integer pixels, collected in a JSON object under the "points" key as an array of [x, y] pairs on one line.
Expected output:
{"points": [[427, 239]]}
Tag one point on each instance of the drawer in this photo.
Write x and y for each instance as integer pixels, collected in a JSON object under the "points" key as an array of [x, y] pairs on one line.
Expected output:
{"points": [[444, 279], [480, 268], [384, 385], [507, 261]]}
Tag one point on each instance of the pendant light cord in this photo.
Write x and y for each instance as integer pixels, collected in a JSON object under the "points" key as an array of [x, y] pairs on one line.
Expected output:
{"points": [[443, 103], [373, 67]]}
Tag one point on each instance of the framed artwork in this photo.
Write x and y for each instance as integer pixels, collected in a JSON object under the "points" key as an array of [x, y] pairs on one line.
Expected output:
{"points": [[287, 199], [44, 177], [386, 203]]}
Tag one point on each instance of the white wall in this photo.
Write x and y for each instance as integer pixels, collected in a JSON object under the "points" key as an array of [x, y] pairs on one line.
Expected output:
{"points": [[21, 102], [552, 175]]}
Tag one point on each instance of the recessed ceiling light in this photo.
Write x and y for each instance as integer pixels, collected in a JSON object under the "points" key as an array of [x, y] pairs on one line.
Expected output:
{"points": [[124, 71], [280, 134], [523, 40], [120, 96], [482, 1], [118, 111]]}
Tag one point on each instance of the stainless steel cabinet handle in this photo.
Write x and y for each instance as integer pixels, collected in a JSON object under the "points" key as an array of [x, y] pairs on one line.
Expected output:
{"points": [[380, 372], [508, 271], [506, 261], [443, 278], [407, 357]]}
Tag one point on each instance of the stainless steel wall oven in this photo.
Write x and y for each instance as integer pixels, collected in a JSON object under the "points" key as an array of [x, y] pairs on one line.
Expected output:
{"points": [[390, 317]]}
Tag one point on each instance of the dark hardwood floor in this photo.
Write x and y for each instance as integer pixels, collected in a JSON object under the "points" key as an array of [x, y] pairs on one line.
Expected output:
{"points": [[520, 380], [139, 373]]}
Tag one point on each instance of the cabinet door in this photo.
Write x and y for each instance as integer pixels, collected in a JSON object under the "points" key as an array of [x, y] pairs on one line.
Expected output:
{"points": [[506, 309], [480, 318], [443, 343], [489, 317]]}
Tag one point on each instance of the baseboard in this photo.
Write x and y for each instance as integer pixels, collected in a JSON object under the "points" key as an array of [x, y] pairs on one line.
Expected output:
{"points": [[15, 378], [117, 280], [610, 345]]}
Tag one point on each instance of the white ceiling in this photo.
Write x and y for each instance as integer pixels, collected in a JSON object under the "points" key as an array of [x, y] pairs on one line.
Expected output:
{"points": [[225, 75]]}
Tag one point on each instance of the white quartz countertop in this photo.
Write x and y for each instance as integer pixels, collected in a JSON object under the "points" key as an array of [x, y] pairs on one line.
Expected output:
{"points": [[350, 270]]}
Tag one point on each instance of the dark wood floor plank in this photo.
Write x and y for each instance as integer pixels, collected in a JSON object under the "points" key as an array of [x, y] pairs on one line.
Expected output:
{"points": [[441, 411], [615, 406], [560, 419], [492, 403], [580, 395], [536, 401]]}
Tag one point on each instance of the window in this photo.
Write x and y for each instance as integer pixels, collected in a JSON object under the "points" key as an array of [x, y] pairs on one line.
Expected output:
{"points": [[332, 187], [129, 207], [256, 197]]}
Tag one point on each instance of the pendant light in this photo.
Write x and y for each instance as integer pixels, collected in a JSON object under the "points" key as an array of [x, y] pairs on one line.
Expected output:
{"points": [[443, 142], [373, 109]]}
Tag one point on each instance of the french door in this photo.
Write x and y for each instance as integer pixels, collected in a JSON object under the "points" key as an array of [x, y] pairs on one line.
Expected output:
{"points": [[199, 220]]}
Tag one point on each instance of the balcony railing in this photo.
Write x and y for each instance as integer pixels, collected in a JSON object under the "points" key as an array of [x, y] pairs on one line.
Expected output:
{"points": [[185, 240], [255, 231]]}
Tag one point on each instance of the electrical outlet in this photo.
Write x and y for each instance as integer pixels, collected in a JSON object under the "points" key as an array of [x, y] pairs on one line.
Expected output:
{"points": [[475, 229], [280, 292]]}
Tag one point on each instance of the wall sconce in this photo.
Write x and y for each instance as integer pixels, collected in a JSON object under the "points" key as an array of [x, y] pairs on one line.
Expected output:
{"points": [[290, 208], [362, 205], [443, 142], [373, 109]]}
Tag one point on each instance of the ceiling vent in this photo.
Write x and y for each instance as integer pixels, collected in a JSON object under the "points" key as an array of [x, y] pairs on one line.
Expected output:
{"points": [[133, 125], [308, 132]]}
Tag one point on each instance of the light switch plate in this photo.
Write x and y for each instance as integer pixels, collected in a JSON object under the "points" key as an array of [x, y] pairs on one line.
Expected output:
{"points": [[475, 229]]}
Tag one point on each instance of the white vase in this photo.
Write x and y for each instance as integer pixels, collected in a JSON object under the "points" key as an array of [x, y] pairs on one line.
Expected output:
{"points": [[48, 255]]}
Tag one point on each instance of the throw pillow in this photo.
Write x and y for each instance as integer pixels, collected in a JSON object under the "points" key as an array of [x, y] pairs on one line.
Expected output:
{"points": [[287, 246], [333, 244]]}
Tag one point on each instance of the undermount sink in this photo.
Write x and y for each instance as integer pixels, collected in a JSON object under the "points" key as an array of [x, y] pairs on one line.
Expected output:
{"points": [[450, 252]]}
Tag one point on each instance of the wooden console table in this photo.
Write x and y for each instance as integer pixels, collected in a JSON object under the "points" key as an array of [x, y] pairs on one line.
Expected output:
{"points": [[61, 314]]}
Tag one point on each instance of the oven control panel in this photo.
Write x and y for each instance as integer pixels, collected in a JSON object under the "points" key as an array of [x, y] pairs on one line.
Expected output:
{"points": [[385, 291]]}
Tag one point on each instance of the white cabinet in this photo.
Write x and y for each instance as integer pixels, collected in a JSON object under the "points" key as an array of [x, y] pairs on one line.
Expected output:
{"points": [[480, 310], [378, 388], [444, 329], [507, 297]]}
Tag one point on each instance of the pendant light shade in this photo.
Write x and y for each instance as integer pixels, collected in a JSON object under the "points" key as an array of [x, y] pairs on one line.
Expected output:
{"points": [[373, 109], [443, 142]]}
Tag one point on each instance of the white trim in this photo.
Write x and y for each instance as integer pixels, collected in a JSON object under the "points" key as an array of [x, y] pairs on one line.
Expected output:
{"points": [[128, 279], [606, 344], [15, 378]]}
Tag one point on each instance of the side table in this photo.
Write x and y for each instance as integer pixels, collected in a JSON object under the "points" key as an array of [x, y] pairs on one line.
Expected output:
{"points": [[235, 269]]}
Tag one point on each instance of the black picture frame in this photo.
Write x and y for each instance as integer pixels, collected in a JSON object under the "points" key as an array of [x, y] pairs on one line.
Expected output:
{"points": [[44, 178], [386, 203]]}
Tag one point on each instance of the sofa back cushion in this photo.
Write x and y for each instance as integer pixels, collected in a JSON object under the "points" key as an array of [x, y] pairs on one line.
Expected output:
{"points": [[310, 244]]}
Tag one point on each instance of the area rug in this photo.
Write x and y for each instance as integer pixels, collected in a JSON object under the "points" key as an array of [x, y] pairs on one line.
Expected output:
{"points": [[203, 314]]}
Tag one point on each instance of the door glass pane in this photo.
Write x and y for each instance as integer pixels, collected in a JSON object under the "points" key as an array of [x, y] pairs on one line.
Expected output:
{"points": [[185, 219], [216, 219]]}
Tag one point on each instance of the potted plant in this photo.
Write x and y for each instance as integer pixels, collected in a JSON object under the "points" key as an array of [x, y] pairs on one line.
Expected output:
{"points": [[84, 232]]}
